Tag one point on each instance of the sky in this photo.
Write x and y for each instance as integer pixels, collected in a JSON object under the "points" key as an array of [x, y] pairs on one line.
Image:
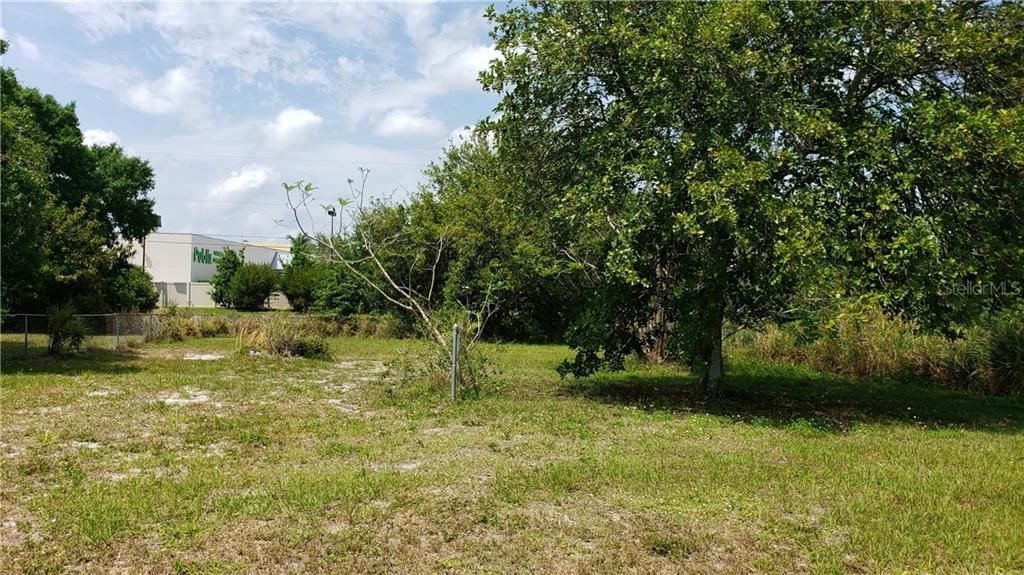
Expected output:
{"points": [[228, 100]]}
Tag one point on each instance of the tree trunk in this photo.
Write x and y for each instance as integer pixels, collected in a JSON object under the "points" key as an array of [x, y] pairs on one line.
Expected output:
{"points": [[657, 330], [714, 373], [656, 351]]}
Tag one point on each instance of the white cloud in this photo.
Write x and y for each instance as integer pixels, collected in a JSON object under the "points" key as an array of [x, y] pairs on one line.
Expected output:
{"points": [[460, 135], [26, 48], [353, 23], [460, 69], [449, 58], [291, 126], [222, 34], [408, 123], [309, 76], [257, 41], [110, 77], [230, 35], [97, 137], [102, 19], [350, 69], [181, 91], [240, 182], [176, 91]]}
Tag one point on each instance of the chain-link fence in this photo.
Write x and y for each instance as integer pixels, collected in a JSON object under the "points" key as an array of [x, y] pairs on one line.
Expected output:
{"points": [[28, 333]]}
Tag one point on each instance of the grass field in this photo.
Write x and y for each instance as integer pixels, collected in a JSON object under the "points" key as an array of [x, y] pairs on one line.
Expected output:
{"points": [[148, 462]]}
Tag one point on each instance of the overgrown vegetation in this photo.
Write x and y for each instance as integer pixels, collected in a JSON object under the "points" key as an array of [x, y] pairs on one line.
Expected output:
{"points": [[174, 325], [862, 341], [282, 335]]}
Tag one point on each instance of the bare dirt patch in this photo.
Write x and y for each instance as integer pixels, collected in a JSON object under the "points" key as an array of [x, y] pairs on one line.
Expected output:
{"points": [[203, 356], [190, 397]]}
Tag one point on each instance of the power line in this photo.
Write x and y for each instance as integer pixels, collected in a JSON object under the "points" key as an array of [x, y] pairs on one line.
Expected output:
{"points": [[178, 199], [219, 234], [200, 243], [278, 159]]}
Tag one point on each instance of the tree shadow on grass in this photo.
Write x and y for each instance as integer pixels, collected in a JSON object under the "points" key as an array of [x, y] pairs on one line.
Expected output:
{"points": [[89, 361], [786, 396]]}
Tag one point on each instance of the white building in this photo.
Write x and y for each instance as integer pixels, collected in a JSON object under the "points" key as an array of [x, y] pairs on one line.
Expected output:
{"points": [[183, 264]]}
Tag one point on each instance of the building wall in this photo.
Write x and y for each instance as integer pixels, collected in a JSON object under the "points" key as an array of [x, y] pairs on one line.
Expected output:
{"points": [[197, 294], [168, 257], [183, 264], [178, 258]]}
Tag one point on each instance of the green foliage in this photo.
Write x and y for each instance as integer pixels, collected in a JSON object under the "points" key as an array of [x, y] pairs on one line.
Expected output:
{"points": [[299, 285], [227, 263], [251, 286], [302, 276], [66, 330], [494, 251], [312, 347], [66, 206], [131, 290], [341, 293], [722, 160]]}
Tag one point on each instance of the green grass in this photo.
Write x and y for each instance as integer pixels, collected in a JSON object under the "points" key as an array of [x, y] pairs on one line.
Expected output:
{"points": [[142, 461]]}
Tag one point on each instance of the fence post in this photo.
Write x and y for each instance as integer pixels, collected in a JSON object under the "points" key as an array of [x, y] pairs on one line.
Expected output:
{"points": [[117, 331], [455, 358], [26, 334]]}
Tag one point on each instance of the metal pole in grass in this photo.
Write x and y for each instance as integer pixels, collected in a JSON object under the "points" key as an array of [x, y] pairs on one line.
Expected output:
{"points": [[117, 331], [26, 334], [455, 357]]}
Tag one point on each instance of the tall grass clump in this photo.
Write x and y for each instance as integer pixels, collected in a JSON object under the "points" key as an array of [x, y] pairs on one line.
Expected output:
{"points": [[863, 341], [282, 335], [173, 325], [1006, 352]]}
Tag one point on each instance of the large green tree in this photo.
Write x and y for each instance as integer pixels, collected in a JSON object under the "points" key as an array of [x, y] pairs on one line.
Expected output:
{"points": [[66, 207], [492, 251], [712, 161]]}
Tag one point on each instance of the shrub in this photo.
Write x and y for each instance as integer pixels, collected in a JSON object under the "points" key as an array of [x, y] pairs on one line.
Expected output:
{"points": [[299, 284], [338, 292], [865, 341], [228, 263], [66, 330], [171, 326], [251, 286], [131, 290], [312, 347]]}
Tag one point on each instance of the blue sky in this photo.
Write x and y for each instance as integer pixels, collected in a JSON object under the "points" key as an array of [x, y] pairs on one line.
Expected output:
{"points": [[227, 100]]}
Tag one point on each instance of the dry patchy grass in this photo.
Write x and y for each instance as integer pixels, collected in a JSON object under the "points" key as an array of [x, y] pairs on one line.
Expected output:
{"points": [[146, 461]]}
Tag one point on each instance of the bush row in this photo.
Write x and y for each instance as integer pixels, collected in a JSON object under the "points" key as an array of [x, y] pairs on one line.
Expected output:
{"points": [[860, 342]]}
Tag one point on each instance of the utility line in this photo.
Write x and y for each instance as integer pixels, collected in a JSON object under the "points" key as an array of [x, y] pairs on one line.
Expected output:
{"points": [[277, 158], [282, 204]]}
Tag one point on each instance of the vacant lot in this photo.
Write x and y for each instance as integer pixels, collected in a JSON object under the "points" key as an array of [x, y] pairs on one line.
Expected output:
{"points": [[189, 458]]}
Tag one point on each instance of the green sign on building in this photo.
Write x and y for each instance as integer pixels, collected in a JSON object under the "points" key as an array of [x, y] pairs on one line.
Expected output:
{"points": [[204, 256]]}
